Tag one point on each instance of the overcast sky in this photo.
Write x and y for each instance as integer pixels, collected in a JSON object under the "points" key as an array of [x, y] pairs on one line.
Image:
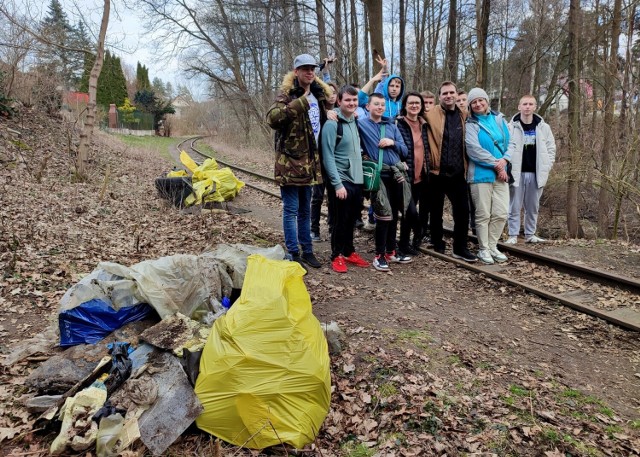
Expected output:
{"points": [[127, 38]]}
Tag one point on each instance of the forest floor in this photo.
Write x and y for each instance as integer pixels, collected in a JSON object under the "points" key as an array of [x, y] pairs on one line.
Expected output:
{"points": [[436, 360]]}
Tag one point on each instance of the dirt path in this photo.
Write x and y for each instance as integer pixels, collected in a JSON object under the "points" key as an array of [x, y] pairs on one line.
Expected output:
{"points": [[482, 321]]}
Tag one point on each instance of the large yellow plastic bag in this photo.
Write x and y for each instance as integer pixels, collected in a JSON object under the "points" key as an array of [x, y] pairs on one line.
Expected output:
{"points": [[227, 186], [210, 182], [264, 373]]}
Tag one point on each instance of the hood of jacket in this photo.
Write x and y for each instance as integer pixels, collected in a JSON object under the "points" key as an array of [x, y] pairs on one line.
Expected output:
{"points": [[385, 88], [471, 119], [536, 118], [290, 81]]}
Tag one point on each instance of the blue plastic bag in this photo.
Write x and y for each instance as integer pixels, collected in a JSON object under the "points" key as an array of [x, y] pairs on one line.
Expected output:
{"points": [[93, 320]]}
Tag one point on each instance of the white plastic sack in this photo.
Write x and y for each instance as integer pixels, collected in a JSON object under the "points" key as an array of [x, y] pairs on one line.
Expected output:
{"points": [[234, 256]]}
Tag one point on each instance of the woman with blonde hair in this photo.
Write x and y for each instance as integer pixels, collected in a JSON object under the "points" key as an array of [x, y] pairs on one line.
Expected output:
{"points": [[487, 141]]}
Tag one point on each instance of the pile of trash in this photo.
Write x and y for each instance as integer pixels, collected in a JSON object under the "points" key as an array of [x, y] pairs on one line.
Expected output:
{"points": [[226, 339], [208, 183]]}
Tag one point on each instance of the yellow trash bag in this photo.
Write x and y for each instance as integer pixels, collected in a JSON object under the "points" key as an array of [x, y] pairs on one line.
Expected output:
{"points": [[264, 372], [227, 186], [177, 174], [210, 182], [188, 162]]}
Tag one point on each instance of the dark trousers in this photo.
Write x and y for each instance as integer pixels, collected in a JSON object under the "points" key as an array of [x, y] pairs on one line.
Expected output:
{"points": [[455, 188], [412, 220], [423, 200], [344, 213], [472, 213], [385, 233], [317, 197]]}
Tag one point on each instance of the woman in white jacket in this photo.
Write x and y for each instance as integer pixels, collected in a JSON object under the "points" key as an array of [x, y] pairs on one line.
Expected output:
{"points": [[532, 149]]}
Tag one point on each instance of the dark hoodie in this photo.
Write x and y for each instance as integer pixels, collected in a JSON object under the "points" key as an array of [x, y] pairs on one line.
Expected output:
{"points": [[393, 106], [529, 148]]}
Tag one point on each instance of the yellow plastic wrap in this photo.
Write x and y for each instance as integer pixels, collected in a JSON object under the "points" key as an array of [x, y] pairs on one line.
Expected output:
{"points": [[264, 372], [177, 174], [210, 182], [188, 162]]}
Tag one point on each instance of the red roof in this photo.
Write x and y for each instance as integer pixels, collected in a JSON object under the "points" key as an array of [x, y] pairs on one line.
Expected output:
{"points": [[77, 97]]}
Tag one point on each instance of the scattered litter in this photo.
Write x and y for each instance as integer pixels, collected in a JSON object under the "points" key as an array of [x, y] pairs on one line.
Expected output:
{"points": [[333, 334], [78, 430], [175, 333]]}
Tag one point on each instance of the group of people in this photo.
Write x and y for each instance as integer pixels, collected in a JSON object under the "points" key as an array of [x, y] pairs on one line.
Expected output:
{"points": [[458, 148]]}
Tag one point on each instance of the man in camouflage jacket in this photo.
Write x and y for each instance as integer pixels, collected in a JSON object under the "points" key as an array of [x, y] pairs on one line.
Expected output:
{"points": [[296, 116]]}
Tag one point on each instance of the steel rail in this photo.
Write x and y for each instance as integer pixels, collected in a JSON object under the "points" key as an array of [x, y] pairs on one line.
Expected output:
{"points": [[608, 316], [253, 186], [594, 274]]}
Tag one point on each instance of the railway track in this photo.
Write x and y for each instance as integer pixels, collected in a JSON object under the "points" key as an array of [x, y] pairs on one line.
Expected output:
{"points": [[527, 270]]}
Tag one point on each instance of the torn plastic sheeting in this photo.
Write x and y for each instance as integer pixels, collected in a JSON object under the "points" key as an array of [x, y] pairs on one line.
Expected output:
{"points": [[264, 372], [178, 283], [234, 256], [92, 321]]}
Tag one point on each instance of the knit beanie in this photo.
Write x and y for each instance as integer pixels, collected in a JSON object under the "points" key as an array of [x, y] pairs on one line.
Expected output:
{"points": [[475, 93]]}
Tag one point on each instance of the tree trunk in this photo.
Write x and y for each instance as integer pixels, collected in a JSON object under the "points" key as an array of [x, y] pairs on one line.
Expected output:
{"points": [[367, 54], [452, 54], [608, 143], [337, 16], [573, 179], [375, 26], [322, 30], [355, 71], [87, 132], [403, 43], [626, 78], [482, 26]]}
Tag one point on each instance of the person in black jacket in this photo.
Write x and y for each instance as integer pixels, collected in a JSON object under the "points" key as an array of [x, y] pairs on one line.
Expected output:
{"points": [[413, 129]]}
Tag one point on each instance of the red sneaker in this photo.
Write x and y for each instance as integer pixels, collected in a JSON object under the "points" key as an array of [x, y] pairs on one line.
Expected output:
{"points": [[356, 260], [338, 264]]}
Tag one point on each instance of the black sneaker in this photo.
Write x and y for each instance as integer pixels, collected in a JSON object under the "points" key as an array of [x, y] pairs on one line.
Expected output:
{"points": [[398, 257], [466, 255], [311, 260], [295, 258], [380, 263], [438, 249], [409, 250]]}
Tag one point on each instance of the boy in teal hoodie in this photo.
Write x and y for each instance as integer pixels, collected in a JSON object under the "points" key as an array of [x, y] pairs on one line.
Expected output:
{"points": [[342, 162]]}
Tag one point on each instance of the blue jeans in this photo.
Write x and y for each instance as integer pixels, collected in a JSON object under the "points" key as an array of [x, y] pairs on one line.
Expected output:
{"points": [[296, 218]]}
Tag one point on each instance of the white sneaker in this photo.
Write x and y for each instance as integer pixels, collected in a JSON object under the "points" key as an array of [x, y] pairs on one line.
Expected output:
{"points": [[497, 255], [484, 255], [512, 240], [534, 239]]}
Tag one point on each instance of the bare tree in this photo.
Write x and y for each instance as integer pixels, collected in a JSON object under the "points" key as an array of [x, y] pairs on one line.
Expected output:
{"points": [[482, 30], [87, 131], [374, 8], [452, 52], [610, 78], [573, 180]]}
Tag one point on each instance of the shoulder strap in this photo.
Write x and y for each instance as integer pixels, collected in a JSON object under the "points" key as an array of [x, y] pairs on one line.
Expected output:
{"points": [[380, 150], [495, 143], [339, 133]]}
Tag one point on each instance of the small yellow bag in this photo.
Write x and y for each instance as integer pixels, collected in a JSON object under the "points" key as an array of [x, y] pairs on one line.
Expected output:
{"points": [[264, 373]]}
